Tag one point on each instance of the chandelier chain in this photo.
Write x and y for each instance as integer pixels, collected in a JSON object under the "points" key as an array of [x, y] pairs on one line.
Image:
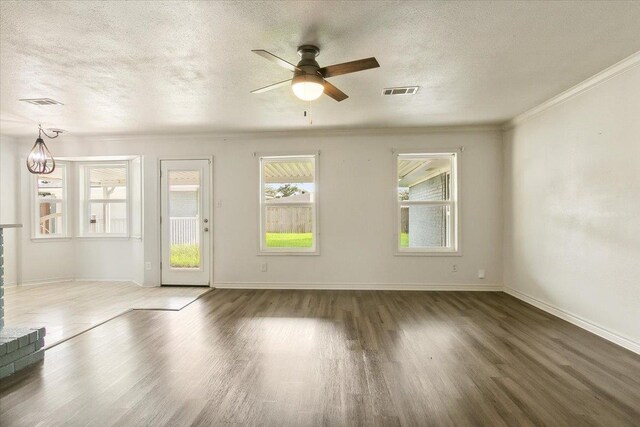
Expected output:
{"points": [[41, 131]]}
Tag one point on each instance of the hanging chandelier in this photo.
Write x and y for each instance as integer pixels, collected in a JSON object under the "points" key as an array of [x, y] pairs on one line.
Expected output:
{"points": [[40, 161]]}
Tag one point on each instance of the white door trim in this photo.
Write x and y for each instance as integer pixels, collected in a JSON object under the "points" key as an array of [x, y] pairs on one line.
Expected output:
{"points": [[211, 211]]}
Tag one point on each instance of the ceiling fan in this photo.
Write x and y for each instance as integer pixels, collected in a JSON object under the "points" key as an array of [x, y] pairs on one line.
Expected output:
{"points": [[309, 80]]}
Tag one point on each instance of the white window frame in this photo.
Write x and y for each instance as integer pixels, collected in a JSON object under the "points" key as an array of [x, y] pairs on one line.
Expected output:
{"points": [[86, 201], [287, 157], [454, 203], [36, 235]]}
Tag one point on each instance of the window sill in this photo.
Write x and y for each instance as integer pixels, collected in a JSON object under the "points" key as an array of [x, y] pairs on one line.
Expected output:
{"points": [[49, 239], [64, 239], [284, 253], [429, 253], [117, 238]]}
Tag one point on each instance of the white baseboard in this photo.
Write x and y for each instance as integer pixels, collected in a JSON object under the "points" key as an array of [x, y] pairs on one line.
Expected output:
{"points": [[142, 285], [68, 279], [360, 286], [594, 328], [39, 282], [147, 285]]}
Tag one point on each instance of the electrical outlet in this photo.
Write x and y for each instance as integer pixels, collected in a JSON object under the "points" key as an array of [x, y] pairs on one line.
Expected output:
{"points": [[147, 266], [481, 274], [263, 267], [454, 269], [219, 204]]}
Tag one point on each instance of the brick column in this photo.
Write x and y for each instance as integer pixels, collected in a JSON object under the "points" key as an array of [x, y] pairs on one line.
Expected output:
{"points": [[19, 347], [2, 227]]}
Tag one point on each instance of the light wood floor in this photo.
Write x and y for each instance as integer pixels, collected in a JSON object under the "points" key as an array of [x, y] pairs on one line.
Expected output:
{"points": [[331, 358], [68, 308]]}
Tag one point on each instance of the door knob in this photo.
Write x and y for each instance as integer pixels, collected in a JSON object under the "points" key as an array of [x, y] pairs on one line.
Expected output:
{"points": [[206, 229], [206, 220]]}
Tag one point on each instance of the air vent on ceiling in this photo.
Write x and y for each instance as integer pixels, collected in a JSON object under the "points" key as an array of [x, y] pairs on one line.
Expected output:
{"points": [[42, 101], [405, 90]]}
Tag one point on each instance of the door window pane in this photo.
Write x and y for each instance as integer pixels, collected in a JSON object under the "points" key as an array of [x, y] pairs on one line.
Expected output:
{"points": [[184, 218]]}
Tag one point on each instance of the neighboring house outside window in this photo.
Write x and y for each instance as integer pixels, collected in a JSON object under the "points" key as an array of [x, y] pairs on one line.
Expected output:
{"points": [[427, 203], [430, 227]]}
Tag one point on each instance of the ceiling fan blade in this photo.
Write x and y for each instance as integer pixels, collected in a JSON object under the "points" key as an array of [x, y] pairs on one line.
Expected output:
{"points": [[273, 86], [334, 92], [276, 60], [349, 67]]}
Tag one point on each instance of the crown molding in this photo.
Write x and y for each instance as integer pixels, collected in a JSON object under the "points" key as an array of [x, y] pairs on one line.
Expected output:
{"points": [[283, 133], [306, 133], [616, 69]]}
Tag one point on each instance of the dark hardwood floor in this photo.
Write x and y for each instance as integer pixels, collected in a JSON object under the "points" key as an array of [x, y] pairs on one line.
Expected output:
{"points": [[331, 358]]}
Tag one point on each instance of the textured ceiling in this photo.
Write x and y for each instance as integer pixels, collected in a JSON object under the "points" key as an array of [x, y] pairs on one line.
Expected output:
{"points": [[123, 67]]}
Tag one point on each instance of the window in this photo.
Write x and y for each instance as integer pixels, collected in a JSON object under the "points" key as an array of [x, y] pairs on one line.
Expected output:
{"points": [[288, 204], [427, 203], [104, 209], [51, 203]]}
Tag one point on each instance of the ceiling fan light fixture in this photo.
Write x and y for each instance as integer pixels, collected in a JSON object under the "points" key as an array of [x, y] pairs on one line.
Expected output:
{"points": [[308, 81], [307, 87]]}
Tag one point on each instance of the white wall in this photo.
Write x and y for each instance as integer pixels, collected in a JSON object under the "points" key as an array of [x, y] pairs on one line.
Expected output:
{"points": [[356, 209], [40, 260], [108, 260], [9, 210], [572, 208]]}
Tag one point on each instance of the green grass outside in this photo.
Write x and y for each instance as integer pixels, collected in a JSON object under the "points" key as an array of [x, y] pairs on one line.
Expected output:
{"points": [[289, 240], [185, 256], [305, 240], [188, 256]]}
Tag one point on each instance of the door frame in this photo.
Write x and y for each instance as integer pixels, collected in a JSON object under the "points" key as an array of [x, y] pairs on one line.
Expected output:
{"points": [[211, 213]]}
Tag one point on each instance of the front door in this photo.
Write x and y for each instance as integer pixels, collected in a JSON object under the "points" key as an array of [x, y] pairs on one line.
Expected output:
{"points": [[185, 222]]}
